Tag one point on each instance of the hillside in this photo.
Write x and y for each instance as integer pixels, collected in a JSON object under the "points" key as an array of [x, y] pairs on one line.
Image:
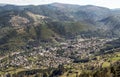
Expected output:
{"points": [[53, 23], [27, 28], [59, 40]]}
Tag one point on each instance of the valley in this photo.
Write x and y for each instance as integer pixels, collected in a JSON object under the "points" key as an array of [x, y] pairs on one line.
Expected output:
{"points": [[75, 54], [59, 40]]}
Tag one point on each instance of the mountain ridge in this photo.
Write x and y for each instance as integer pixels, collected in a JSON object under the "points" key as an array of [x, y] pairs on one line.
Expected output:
{"points": [[54, 22]]}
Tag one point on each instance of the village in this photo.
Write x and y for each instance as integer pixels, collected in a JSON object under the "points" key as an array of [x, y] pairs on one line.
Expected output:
{"points": [[70, 52]]}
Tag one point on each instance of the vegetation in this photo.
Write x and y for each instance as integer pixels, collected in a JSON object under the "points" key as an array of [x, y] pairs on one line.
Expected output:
{"points": [[59, 40]]}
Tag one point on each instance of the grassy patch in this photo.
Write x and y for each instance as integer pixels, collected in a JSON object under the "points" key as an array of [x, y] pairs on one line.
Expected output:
{"points": [[115, 58], [105, 64]]}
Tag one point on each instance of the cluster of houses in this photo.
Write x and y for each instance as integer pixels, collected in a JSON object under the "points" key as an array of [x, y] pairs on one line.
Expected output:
{"points": [[53, 56]]}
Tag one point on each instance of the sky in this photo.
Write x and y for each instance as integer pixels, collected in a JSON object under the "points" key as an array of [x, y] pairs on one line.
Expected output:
{"points": [[105, 3]]}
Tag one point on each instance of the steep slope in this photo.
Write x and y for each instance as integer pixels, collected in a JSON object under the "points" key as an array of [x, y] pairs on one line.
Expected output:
{"points": [[112, 23], [19, 29], [23, 28]]}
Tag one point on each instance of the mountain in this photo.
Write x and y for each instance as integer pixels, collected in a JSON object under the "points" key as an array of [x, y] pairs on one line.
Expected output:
{"points": [[27, 28], [54, 22], [112, 23], [71, 12], [65, 11], [2, 4]]}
